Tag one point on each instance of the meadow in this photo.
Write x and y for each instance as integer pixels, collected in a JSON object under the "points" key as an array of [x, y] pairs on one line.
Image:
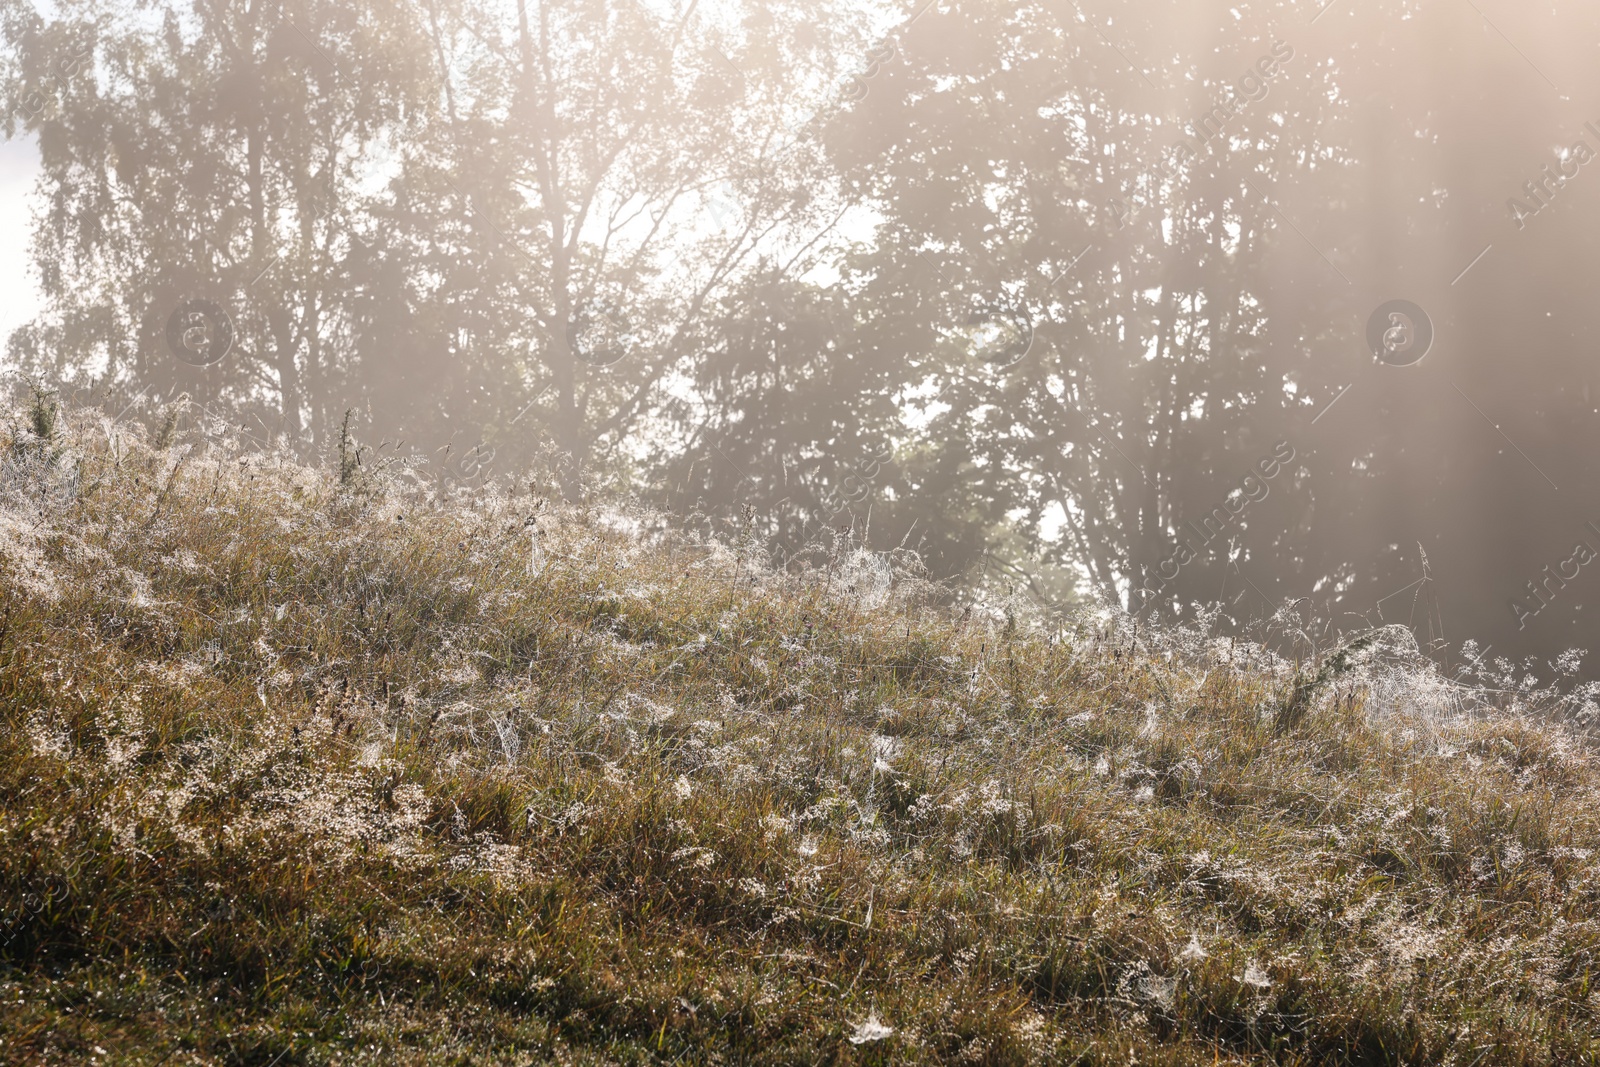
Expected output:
{"points": [[314, 765]]}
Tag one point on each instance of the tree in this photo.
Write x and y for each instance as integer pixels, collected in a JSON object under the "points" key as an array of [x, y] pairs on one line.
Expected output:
{"points": [[1080, 303], [1194, 218], [212, 151], [466, 226]]}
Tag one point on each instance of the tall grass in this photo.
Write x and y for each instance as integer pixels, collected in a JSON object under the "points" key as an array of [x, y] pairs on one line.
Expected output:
{"points": [[303, 767]]}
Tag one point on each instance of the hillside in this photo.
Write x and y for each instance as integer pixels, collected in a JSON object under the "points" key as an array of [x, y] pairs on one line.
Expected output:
{"points": [[299, 769]]}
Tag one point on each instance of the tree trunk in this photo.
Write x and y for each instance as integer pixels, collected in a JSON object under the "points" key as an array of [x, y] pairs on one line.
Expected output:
{"points": [[277, 317], [570, 438]]}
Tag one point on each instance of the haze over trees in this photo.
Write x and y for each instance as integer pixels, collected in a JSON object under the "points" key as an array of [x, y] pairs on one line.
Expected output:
{"points": [[1041, 289]]}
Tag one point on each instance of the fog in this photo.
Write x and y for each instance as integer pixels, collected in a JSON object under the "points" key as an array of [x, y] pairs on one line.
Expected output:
{"points": [[1186, 309]]}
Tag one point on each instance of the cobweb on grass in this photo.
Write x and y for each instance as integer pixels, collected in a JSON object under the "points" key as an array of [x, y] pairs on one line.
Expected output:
{"points": [[1386, 666], [867, 577]]}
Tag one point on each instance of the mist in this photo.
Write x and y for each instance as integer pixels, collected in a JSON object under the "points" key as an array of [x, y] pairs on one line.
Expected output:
{"points": [[1192, 311]]}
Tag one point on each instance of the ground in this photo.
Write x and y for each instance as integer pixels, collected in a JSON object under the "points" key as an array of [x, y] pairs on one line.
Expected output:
{"points": [[303, 767]]}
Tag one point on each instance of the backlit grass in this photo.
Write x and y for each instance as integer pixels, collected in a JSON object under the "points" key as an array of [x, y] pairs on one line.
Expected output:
{"points": [[302, 769]]}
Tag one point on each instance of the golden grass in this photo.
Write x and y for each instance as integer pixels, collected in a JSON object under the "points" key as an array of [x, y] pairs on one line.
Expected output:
{"points": [[295, 772]]}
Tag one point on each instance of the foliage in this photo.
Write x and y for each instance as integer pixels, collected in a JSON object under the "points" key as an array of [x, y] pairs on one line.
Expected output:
{"points": [[470, 222]]}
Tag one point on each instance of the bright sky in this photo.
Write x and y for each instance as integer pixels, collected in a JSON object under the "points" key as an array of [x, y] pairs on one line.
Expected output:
{"points": [[19, 295]]}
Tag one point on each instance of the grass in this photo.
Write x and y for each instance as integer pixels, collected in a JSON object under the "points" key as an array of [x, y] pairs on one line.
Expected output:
{"points": [[301, 767]]}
